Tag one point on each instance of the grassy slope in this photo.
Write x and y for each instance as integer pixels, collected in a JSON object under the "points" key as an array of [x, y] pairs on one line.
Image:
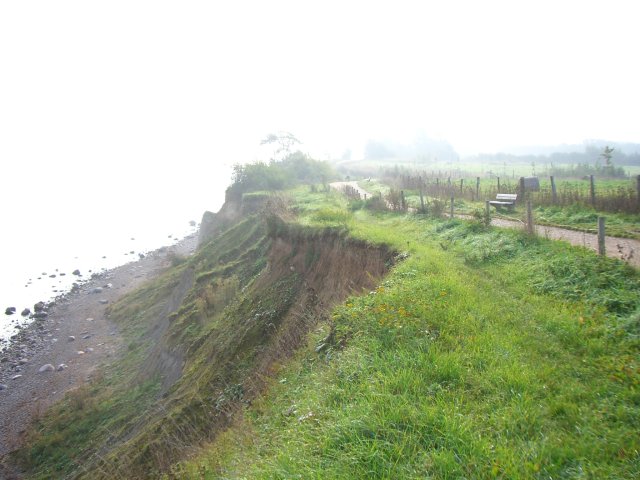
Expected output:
{"points": [[483, 355]]}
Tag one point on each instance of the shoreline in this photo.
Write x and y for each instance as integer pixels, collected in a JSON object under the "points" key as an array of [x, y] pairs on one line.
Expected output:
{"points": [[52, 355]]}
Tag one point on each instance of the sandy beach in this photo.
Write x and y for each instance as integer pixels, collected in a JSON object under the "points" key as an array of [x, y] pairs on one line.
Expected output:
{"points": [[53, 355]]}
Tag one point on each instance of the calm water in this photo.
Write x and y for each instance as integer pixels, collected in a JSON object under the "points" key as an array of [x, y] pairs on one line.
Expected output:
{"points": [[46, 235]]}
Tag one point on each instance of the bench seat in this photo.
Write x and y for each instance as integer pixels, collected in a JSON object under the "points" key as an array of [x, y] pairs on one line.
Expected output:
{"points": [[504, 200]]}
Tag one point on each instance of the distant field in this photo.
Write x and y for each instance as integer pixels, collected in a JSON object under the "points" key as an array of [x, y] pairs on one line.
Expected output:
{"points": [[455, 169]]}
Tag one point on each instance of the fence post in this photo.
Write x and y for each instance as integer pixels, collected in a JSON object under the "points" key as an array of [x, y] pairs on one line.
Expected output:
{"points": [[593, 191], [365, 196], [421, 201], [451, 206], [530, 229], [638, 192], [554, 193], [498, 184], [462, 183], [487, 207], [602, 250], [522, 188], [404, 205], [477, 187]]}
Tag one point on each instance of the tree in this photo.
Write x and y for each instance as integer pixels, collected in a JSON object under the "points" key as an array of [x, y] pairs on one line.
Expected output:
{"points": [[606, 154], [284, 141]]}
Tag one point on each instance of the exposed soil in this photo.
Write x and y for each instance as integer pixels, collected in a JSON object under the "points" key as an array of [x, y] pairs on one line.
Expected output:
{"points": [[96, 340]]}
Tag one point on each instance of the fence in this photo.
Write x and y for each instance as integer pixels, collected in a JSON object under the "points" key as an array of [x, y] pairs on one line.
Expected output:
{"points": [[605, 198]]}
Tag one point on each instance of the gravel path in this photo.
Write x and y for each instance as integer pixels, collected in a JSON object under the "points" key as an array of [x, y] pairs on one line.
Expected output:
{"points": [[75, 338], [624, 249]]}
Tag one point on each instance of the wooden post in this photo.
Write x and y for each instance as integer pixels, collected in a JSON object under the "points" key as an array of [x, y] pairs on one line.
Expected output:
{"points": [[451, 216], [593, 191], [522, 188], [478, 187], [462, 183], [638, 192], [487, 207], [554, 192], [421, 201], [498, 184], [449, 181], [602, 250], [404, 205], [365, 196], [530, 229]]}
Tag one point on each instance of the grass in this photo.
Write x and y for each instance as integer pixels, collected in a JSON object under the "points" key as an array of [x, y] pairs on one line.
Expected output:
{"points": [[518, 362], [485, 353]]}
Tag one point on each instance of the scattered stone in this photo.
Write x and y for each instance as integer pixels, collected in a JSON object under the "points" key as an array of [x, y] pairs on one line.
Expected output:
{"points": [[2, 387], [46, 368], [96, 290], [72, 338], [86, 337], [23, 361], [10, 311], [103, 301], [141, 255], [76, 272], [109, 285], [15, 377], [52, 276], [89, 319], [62, 274], [39, 315], [61, 367], [89, 350], [80, 352], [26, 312], [39, 307]]}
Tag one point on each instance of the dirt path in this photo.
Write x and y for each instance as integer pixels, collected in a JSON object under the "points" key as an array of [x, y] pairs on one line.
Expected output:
{"points": [[77, 334], [625, 249]]}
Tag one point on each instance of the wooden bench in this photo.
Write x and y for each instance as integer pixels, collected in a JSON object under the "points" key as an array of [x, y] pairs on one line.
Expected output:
{"points": [[504, 200]]}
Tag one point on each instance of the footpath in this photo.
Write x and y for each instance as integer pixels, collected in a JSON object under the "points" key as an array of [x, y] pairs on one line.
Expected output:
{"points": [[625, 249]]}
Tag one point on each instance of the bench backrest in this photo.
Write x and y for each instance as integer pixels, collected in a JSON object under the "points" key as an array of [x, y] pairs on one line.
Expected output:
{"points": [[510, 197]]}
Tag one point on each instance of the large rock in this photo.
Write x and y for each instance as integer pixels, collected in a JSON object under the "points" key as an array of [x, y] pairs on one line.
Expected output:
{"points": [[10, 310], [76, 272], [39, 307], [26, 312]]}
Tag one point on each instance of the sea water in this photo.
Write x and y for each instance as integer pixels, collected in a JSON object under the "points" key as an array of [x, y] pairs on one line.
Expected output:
{"points": [[46, 237]]}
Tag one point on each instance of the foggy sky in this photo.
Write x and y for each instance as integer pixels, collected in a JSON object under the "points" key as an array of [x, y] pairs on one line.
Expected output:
{"points": [[174, 87]]}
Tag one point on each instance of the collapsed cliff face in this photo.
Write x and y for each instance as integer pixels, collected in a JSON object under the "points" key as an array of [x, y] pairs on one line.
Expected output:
{"points": [[245, 314], [215, 328], [236, 206]]}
